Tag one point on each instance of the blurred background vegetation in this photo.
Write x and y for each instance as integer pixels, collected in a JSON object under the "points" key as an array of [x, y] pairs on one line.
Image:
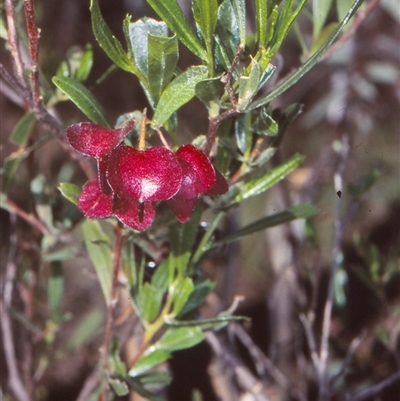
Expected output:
{"points": [[351, 98]]}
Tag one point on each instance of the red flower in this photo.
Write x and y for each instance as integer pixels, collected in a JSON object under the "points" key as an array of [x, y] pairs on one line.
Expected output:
{"points": [[198, 177], [148, 175], [130, 181]]}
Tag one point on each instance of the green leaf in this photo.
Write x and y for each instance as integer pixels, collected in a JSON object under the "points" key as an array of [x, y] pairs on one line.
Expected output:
{"points": [[265, 124], [170, 12], [260, 184], [294, 78], [178, 92], [82, 98], [302, 211], [214, 324], [343, 7], [183, 237], [205, 14], [138, 36], [261, 22], [161, 378], [162, 60], [85, 63], [119, 387], [60, 255], [159, 279], [55, 289], [198, 295], [227, 34], [70, 191], [209, 90], [108, 42], [180, 291], [151, 358], [320, 11], [20, 133], [175, 339], [248, 86], [322, 37], [86, 329], [99, 250], [149, 302], [239, 8]]}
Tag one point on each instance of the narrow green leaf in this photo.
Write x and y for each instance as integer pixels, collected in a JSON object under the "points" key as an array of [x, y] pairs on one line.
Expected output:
{"points": [[159, 279], [343, 7], [66, 253], [86, 329], [178, 92], [83, 99], [85, 63], [322, 37], [55, 289], [205, 14], [99, 250], [175, 339], [70, 191], [161, 378], [209, 90], [119, 387], [20, 133], [239, 8], [303, 211], [260, 184], [261, 22], [227, 34], [180, 291], [183, 237], [216, 323], [170, 12], [139, 32], [295, 77], [320, 11], [151, 358], [149, 302], [248, 86], [108, 42], [198, 295], [162, 60]]}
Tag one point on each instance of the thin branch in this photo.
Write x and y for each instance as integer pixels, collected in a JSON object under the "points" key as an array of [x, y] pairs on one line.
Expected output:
{"points": [[90, 385], [361, 16], [244, 377], [349, 356], [14, 43], [33, 35], [312, 345], [337, 259], [15, 383], [262, 362], [377, 388]]}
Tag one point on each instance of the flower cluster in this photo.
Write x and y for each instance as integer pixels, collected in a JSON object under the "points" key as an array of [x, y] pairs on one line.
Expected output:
{"points": [[130, 181]]}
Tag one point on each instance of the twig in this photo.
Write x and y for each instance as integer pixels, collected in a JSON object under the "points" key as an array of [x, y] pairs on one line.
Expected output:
{"points": [[119, 241], [377, 388], [262, 362], [29, 218], [349, 356], [354, 26], [33, 100], [312, 345], [337, 259], [244, 377], [15, 383], [14, 43], [90, 385], [217, 120], [33, 35]]}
